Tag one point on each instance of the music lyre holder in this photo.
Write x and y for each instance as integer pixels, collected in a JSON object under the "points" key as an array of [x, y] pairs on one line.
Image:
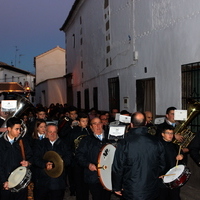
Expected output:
{"points": [[116, 132]]}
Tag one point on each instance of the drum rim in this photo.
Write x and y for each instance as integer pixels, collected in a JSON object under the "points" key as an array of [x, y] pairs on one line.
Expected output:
{"points": [[171, 172], [98, 165], [13, 173]]}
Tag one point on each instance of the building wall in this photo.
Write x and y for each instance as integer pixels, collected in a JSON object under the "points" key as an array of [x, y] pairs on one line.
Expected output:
{"points": [[51, 91], [12, 76], [165, 34], [50, 65]]}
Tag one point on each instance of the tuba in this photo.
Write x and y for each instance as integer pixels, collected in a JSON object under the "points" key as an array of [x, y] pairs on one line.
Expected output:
{"points": [[193, 111], [22, 105]]}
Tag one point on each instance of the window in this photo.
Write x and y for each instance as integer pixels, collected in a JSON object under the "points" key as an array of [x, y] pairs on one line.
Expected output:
{"points": [[79, 100], [191, 89], [87, 103], [114, 95], [145, 95]]}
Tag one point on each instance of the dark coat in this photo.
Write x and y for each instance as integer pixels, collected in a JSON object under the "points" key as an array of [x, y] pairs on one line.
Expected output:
{"points": [[171, 151], [41, 178], [87, 152], [64, 127], [138, 162], [194, 147], [10, 156], [74, 134]]}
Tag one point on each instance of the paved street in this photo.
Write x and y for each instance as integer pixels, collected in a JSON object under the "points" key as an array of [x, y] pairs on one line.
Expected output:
{"points": [[188, 192]]}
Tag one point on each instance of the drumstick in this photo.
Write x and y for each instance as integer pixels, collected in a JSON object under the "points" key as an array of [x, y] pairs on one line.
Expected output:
{"points": [[22, 149], [180, 147], [169, 175]]}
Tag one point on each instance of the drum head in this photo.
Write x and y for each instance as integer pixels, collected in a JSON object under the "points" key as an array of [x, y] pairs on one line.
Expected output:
{"points": [[173, 173], [105, 161], [16, 176]]}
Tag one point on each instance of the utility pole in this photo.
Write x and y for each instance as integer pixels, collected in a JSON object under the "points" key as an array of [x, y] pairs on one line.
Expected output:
{"points": [[16, 50], [20, 59]]}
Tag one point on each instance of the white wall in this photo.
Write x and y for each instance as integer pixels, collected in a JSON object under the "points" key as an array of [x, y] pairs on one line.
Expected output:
{"points": [[51, 91], [50, 65], [164, 32]]}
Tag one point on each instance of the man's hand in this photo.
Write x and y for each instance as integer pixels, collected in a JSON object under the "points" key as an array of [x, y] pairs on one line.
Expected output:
{"points": [[5, 185], [179, 157], [24, 163], [92, 167], [49, 165], [118, 193], [179, 137]]}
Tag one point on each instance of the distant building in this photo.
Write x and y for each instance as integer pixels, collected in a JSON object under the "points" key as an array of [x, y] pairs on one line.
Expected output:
{"points": [[50, 70], [18, 80]]}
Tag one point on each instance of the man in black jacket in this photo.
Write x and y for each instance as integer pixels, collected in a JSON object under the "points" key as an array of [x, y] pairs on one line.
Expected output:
{"points": [[87, 157], [11, 158], [47, 187], [168, 123], [138, 162]]}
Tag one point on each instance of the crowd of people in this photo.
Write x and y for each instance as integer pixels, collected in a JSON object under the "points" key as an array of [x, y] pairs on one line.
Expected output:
{"points": [[140, 163]]}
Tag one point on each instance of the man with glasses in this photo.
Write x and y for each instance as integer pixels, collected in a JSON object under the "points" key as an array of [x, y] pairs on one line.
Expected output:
{"points": [[171, 157]]}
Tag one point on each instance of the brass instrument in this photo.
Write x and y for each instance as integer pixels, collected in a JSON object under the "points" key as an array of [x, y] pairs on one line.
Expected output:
{"points": [[22, 105], [193, 111], [78, 140]]}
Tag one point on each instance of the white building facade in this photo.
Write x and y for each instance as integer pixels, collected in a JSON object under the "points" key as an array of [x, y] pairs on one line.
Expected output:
{"points": [[132, 53], [12, 74], [50, 82]]}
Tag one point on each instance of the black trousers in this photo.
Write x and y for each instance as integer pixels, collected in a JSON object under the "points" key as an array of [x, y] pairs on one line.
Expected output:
{"points": [[169, 194], [98, 192], [82, 189], [8, 195], [47, 194]]}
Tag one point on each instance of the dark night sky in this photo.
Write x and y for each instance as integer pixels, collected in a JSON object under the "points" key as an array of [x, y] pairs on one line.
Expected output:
{"points": [[30, 28]]}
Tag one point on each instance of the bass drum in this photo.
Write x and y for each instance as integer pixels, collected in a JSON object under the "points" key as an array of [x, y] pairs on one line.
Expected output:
{"points": [[104, 168], [177, 176], [19, 179]]}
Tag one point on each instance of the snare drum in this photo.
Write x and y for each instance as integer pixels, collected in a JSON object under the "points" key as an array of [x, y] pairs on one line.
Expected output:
{"points": [[105, 160], [177, 176], [19, 179]]}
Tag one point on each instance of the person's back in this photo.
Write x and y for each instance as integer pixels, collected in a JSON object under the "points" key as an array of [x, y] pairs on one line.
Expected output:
{"points": [[138, 162], [142, 163]]}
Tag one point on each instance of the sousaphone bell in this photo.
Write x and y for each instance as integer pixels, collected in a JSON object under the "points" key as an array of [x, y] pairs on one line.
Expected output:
{"points": [[58, 164]]}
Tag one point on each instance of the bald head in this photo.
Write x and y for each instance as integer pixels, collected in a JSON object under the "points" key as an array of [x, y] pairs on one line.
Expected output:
{"points": [[138, 119], [148, 116]]}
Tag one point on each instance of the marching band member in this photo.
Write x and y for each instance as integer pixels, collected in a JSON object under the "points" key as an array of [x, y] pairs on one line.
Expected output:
{"points": [[77, 172], [171, 156], [87, 157], [169, 122], [138, 162], [11, 158], [47, 187]]}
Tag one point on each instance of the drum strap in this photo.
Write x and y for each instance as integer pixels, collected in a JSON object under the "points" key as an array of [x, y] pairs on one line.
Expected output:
{"points": [[21, 144]]}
